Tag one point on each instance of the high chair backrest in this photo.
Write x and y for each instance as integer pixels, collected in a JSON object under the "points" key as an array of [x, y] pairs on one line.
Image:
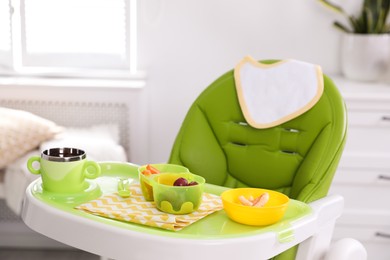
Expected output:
{"points": [[298, 158]]}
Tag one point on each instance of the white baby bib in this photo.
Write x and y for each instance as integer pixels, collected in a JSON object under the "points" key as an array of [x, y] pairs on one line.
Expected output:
{"points": [[271, 94]]}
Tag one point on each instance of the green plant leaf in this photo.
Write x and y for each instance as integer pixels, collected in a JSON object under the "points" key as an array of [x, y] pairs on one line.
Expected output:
{"points": [[332, 6], [372, 18], [386, 28], [357, 24], [342, 27], [386, 9], [380, 23], [369, 21]]}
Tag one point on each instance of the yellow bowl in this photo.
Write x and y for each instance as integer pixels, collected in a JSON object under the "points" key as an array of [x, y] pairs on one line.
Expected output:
{"points": [[270, 213]]}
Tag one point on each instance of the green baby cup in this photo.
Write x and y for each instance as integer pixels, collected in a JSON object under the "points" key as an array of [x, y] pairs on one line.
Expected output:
{"points": [[64, 170]]}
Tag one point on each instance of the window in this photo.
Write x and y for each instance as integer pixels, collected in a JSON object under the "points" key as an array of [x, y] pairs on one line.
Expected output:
{"points": [[5, 35], [68, 37]]}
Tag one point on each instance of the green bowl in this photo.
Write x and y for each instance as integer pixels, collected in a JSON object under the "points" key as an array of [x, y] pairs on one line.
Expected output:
{"points": [[177, 199], [146, 187]]}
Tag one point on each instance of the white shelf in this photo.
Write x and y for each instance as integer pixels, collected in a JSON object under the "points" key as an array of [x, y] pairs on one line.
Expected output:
{"points": [[366, 159]]}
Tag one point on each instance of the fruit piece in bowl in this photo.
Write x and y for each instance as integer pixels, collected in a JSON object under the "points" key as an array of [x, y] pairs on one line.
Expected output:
{"points": [[271, 205], [258, 202], [184, 182], [147, 171], [178, 193]]}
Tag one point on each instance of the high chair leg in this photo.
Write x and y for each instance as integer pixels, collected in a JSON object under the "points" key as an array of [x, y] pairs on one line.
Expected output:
{"points": [[345, 249]]}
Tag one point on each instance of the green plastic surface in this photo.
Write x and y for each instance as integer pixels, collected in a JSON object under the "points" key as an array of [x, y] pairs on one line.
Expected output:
{"points": [[214, 226]]}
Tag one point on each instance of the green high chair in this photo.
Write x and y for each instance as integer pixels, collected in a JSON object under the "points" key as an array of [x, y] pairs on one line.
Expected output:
{"points": [[298, 158]]}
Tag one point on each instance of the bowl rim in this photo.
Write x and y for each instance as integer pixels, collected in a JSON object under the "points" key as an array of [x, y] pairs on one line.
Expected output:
{"points": [[154, 182], [148, 177], [224, 200], [161, 164]]}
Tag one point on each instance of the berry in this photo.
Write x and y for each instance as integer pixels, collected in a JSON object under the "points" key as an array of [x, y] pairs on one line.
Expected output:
{"points": [[180, 182]]}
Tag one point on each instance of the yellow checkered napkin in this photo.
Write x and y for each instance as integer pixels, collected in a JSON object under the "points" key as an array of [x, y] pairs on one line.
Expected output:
{"points": [[135, 209]]}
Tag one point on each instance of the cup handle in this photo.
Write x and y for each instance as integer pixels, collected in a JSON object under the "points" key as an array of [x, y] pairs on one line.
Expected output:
{"points": [[94, 173], [31, 161]]}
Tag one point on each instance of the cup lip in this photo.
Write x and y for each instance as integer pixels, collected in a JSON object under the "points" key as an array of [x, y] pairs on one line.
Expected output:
{"points": [[64, 154]]}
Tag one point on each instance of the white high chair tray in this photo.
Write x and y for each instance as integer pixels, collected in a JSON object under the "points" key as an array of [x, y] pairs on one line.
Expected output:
{"points": [[214, 237]]}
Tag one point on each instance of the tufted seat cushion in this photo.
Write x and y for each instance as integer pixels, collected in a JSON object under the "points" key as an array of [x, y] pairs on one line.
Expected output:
{"points": [[298, 158]]}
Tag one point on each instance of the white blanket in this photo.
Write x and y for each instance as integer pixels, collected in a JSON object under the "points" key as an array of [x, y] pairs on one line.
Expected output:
{"points": [[271, 94], [17, 178]]}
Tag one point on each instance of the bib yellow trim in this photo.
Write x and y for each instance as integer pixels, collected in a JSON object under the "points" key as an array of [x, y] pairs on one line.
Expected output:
{"points": [[244, 108]]}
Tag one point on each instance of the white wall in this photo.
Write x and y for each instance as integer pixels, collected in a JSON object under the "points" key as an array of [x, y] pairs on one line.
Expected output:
{"points": [[186, 44]]}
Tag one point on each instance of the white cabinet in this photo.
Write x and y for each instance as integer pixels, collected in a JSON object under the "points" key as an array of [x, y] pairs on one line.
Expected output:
{"points": [[363, 176]]}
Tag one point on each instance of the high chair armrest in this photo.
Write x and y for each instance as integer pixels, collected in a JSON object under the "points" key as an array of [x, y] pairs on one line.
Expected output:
{"points": [[326, 210]]}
